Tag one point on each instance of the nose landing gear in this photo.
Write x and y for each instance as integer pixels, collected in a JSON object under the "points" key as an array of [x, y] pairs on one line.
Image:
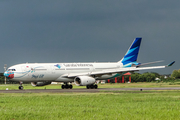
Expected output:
{"points": [[20, 85]]}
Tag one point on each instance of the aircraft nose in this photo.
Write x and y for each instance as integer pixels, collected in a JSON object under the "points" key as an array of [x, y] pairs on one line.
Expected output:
{"points": [[9, 74]]}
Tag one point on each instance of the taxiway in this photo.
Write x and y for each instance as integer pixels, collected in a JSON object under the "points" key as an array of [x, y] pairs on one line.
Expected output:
{"points": [[85, 90]]}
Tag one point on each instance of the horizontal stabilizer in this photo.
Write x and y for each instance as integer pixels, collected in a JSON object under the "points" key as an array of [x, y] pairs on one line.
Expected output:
{"points": [[149, 63]]}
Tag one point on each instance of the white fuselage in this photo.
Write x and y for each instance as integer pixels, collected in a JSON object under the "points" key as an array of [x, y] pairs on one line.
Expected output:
{"points": [[40, 72]]}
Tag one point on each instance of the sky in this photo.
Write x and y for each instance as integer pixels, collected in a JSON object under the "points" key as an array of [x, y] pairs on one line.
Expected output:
{"points": [[56, 31]]}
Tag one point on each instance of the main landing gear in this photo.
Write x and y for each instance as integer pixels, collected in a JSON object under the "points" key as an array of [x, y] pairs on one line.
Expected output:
{"points": [[92, 86], [66, 86], [20, 86]]}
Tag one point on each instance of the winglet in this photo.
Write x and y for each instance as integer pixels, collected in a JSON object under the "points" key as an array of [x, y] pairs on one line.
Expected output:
{"points": [[171, 64]]}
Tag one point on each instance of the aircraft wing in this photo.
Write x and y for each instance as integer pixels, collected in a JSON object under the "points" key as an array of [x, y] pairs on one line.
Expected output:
{"points": [[119, 70]]}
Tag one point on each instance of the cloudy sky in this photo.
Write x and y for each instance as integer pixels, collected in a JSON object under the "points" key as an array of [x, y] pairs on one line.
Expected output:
{"points": [[88, 31]]}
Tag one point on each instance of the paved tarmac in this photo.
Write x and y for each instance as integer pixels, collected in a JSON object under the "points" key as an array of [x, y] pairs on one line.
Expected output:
{"points": [[84, 90]]}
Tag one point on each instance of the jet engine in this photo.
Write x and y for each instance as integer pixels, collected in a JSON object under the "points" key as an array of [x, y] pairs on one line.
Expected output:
{"points": [[40, 83], [84, 80]]}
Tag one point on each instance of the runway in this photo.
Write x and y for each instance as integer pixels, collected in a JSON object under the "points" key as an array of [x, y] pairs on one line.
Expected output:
{"points": [[85, 90]]}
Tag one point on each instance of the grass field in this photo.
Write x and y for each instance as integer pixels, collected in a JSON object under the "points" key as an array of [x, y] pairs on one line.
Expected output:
{"points": [[120, 105], [149, 105]]}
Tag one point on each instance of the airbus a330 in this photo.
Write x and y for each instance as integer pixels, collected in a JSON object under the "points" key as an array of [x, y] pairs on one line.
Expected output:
{"points": [[82, 74]]}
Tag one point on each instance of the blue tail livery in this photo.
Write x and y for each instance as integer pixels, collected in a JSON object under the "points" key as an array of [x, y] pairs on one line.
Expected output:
{"points": [[131, 55]]}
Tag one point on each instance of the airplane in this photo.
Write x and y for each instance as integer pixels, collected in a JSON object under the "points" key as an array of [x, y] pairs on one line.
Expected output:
{"points": [[82, 74]]}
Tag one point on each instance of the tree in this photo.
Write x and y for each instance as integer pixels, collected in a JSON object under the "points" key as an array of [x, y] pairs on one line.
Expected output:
{"points": [[135, 77], [1, 78], [176, 74], [145, 77], [156, 74], [148, 77]]}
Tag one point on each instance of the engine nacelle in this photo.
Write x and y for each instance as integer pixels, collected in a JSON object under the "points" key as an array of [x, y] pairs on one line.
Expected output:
{"points": [[84, 80], [40, 83]]}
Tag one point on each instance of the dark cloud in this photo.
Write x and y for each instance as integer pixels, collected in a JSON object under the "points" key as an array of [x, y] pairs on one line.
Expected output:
{"points": [[88, 31]]}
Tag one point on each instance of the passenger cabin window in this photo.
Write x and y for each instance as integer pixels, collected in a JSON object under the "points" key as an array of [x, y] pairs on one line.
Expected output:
{"points": [[11, 69]]}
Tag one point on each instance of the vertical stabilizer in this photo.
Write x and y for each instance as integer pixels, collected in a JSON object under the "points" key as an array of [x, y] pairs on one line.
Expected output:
{"points": [[132, 53]]}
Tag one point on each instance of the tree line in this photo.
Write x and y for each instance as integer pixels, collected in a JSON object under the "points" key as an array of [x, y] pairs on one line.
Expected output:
{"points": [[149, 77]]}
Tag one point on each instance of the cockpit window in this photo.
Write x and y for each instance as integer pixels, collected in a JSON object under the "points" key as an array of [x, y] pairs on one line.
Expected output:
{"points": [[11, 69]]}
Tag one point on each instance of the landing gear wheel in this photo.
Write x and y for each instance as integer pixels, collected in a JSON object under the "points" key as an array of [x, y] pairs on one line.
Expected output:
{"points": [[63, 86], [70, 86], [67, 86], [92, 86], [20, 87], [87, 86], [95, 86]]}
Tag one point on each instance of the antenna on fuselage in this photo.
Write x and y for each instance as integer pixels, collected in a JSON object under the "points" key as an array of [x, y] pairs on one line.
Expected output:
{"points": [[5, 67]]}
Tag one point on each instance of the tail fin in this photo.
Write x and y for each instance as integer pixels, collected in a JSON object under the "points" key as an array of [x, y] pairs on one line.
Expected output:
{"points": [[132, 53]]}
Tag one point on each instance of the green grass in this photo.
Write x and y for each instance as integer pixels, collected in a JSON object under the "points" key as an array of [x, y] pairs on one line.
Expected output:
{"points": [[106, 105], [128, 105]]}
